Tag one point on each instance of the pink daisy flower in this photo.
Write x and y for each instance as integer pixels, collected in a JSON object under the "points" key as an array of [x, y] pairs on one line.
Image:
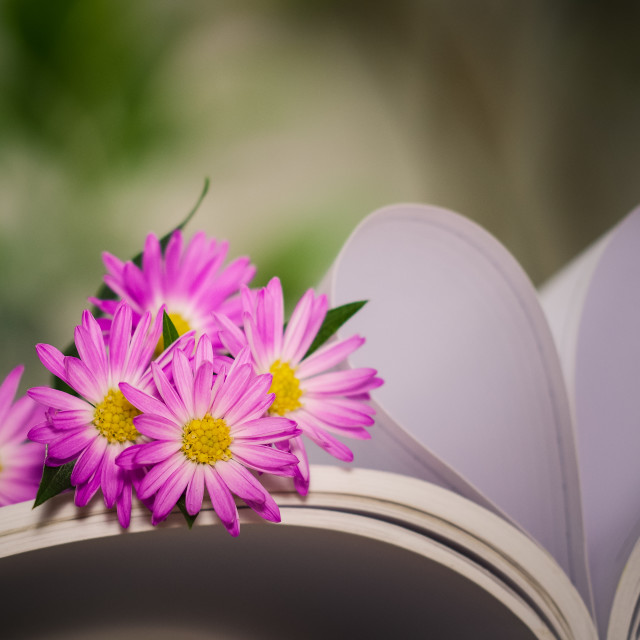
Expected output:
{"points": [[208, 431], [94, 428], [323, 402], [20, 461], [190, 281]]}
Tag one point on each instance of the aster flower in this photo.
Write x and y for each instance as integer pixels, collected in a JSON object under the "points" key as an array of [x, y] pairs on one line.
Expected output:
{"points": [[208, 431], [94, 428], [20, 461], [190, 281], [323, 402]]}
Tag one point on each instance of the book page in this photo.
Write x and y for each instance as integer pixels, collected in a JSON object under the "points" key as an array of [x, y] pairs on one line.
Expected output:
{"points": [[606, 382], [624, 620], [382, 555], [284, 582], [563, 298], [471, 374]]}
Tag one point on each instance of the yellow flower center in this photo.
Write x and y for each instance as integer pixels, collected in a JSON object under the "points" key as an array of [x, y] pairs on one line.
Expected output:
{"points": [[206, 441], [286, 387], [113, 418], [181, 325]]}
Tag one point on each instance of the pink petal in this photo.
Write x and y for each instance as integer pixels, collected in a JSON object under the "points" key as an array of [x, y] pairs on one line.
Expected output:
{"points": [[265, 459], [69, 446], [301, 479], [53, 360], [146, 403], [184, 343], [157, 427], [195, 491], [140, 351], [156, 452], [328, 356], [169, 493], [235, 384], [152, 335], [295, 331], [317, 315], [64, 420], [89, 461], [91, 347], [239, 480], [265, 430], [8, 390], [313, 429], [24, 414], [222, 500], [235, 274], [127, 458], [83, 381], [183, 379], [172, 256], [202, 389], [43, 433], [123, 505], [158, 475], [274, 309], [268, 509], [366, 386], [173, 401], [230, 335], [119, 338], [218, 385], [253, 402], [339, 382], [204, 351], [112, 264], [86, 491], [152, 263], [255, 342], [264, 326], [109, 477], [337, 414], [134, 287]]}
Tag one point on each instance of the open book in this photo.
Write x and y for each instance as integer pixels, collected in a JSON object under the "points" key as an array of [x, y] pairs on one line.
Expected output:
{"points": [[497, 498]]}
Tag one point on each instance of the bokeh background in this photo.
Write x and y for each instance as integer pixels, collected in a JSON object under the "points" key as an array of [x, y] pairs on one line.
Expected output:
{"points": [[306, 116]]}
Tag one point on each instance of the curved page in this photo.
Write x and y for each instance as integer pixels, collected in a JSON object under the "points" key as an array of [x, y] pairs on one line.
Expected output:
{"points": [[472, 378], [563, 298], [607, 407], [443, 567], [624, 620]]}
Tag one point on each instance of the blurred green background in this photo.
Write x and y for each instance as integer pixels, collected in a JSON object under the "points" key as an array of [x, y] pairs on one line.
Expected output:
{"points": [[306, 116]]}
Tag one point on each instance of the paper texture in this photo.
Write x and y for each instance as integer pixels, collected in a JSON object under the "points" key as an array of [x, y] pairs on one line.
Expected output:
{"points": [[602, 349], [471, 372]]}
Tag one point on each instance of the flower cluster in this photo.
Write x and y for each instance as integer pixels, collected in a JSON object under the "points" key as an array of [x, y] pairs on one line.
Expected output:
{"points": [[185, 379]]}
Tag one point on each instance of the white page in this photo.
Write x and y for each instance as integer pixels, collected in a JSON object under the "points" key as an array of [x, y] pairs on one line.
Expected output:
{"points": [[453, 569], [606, 366], [456, 330], [624, 620], [563, 298]]}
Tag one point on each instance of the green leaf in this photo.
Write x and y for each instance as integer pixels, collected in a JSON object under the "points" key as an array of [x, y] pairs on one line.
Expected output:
{"points": [[105, 293], [54, 480], [334, 319], [182, 505], [169, 332]]}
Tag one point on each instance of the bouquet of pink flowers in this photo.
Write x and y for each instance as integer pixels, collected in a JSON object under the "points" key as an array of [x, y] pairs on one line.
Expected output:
{"points": [[183, 379]]}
